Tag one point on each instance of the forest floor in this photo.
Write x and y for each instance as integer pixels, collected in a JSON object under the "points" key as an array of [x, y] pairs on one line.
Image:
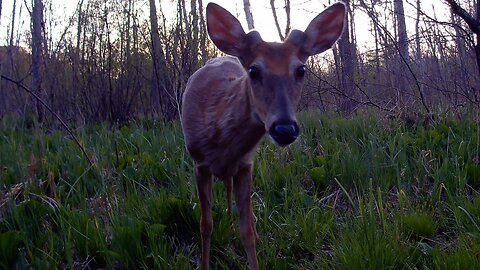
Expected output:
{"points": [[358, 193]]}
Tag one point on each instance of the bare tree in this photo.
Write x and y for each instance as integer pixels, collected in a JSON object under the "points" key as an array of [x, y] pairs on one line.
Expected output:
{"points": [[281, 34], [158, 59], [402, 43], [472, 22], [37, 51], [156, 52], [76, 53], [114, 61], [203, 32], [195, 32], [248, 14], [10, 47], [418, 48], [347, 74]]}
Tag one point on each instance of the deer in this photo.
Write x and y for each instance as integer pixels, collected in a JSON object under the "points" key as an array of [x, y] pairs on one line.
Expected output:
{"points": [[233, 101]]}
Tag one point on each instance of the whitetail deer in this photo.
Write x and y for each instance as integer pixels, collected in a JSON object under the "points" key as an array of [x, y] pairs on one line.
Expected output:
{"points": [[231, 102]]}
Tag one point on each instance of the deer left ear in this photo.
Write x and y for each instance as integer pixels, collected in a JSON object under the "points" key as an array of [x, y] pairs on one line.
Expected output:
{"points": [[324, 30]]}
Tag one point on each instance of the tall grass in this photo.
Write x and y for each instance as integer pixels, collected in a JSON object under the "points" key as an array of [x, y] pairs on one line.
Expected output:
{"points": [[360, 193]]}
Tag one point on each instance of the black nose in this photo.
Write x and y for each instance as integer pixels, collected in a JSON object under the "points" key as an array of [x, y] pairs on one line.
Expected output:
{"points": [[284, 133]]}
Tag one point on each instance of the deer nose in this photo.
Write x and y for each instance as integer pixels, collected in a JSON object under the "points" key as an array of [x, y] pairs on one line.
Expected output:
{"points": [[284, 133]]}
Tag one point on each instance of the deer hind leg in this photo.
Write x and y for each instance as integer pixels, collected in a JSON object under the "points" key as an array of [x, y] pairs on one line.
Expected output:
{"points": [[243, 189], [204, 190]]}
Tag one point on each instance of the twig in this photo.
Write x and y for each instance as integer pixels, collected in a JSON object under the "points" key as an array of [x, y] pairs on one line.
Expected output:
{"points": [[52, 112], [369, 101], [371, 13]]}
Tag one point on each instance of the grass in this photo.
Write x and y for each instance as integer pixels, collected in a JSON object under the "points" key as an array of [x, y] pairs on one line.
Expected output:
{"points": [[360, 193]]}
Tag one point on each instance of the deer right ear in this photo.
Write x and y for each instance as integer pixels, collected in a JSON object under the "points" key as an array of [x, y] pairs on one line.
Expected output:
{"points": [[225, 30]]}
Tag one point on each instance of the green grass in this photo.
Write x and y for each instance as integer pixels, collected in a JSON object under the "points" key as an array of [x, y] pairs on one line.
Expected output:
{"points": [[360, 193]]}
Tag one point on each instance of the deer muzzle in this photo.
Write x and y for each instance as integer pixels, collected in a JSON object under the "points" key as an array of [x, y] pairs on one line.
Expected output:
{"points": [[284, 132]]}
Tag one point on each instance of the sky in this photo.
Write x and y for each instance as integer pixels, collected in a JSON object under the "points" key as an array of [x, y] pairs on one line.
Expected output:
{"points": [[302, 11]]}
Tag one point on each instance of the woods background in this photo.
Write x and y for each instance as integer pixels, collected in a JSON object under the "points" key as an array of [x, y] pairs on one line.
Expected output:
{"points": [[121, 59]]}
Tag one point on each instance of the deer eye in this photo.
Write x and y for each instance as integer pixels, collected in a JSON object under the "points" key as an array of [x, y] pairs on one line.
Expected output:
{"points": [[254, 73], [300, 72]]}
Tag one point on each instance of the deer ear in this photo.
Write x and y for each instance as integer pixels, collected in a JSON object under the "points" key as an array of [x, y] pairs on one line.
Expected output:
{"points": [[225, 30], [324, 30]]}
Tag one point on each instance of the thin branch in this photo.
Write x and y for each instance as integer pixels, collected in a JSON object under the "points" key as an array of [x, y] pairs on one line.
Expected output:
{"points": [[405, 61], [52, 112], [369, 101], [275, 18], [287, 13], [473, 24]]}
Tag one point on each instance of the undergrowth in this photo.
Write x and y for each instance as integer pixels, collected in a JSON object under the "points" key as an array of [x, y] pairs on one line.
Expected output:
{"points": [[359, 193]]}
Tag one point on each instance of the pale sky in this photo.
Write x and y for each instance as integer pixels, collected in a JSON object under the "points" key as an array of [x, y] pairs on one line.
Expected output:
{"points": [[302, 11]]}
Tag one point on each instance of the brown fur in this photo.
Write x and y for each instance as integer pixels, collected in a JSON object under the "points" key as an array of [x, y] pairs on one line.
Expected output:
{"points": [[223, 131]]}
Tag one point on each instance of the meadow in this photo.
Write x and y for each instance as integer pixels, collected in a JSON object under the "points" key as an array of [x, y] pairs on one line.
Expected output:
{"points": [[357, 193]]}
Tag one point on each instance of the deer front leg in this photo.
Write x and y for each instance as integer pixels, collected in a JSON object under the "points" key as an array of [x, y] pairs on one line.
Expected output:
{"points": [[204, 190], [228, 187], [243, 189]]}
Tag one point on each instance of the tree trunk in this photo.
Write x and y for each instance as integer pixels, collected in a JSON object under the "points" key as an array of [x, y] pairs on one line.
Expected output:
{"points": [[195, 32], [76, 55], [10, 47], [203, 33], [461, 72], [159, 82], [155, 100], [37, 49], [403, 59], [347, 57], [248, 14], [472, 22], [418, 49], [418, 52]]}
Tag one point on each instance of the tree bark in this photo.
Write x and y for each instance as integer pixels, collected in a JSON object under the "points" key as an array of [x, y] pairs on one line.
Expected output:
{"points": [[248, 14], [37, 49], [403, 59], [155, 97], [159, 83], [347, 57]]}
